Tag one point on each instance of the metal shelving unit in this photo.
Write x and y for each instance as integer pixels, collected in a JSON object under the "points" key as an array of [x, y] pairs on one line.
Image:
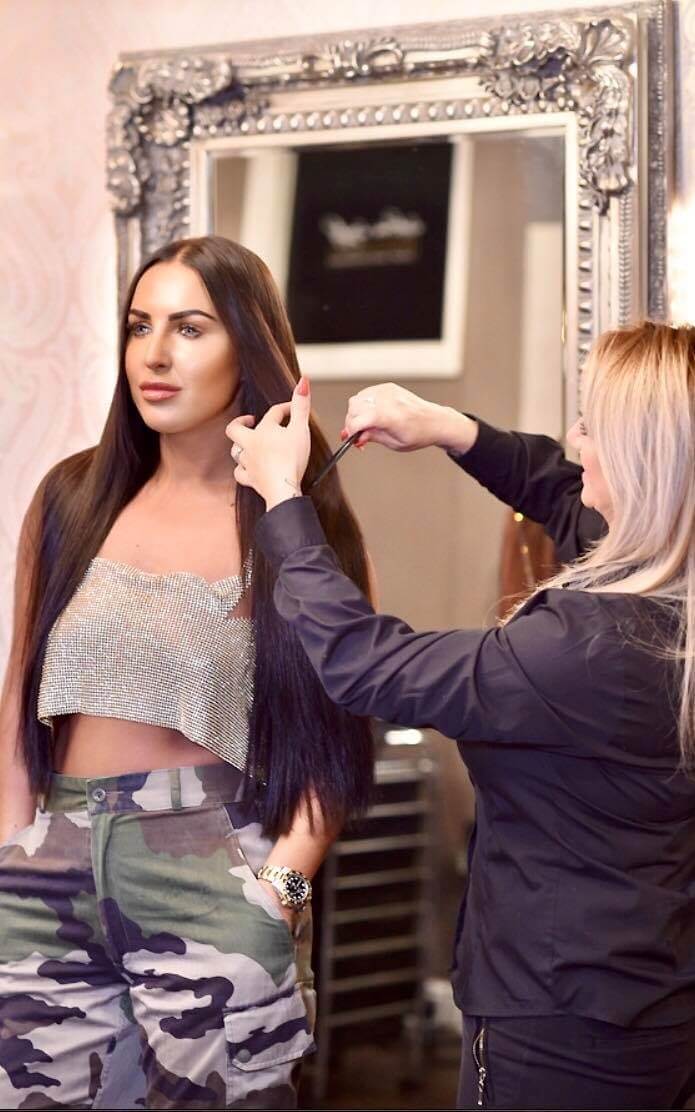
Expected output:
{"points": [[374, 919]]}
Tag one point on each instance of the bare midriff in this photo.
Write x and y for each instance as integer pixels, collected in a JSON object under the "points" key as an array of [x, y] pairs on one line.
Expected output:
{"points": [[92, 746]]}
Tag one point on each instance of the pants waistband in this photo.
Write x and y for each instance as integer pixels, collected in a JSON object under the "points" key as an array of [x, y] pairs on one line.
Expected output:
{"points": [[161, 789]]}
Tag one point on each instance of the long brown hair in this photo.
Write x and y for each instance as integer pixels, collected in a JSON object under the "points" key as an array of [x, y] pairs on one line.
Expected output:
{"points": [[301, 746]]}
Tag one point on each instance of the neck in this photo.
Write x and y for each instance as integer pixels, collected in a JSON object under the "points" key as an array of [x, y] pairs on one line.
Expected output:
{"points": [[198, 457]]}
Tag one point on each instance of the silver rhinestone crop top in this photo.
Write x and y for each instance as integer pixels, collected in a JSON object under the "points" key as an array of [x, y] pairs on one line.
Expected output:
{"points": [[167, 650]]}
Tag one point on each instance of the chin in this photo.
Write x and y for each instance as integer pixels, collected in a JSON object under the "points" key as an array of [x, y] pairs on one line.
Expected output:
{"points": [[156, 425], [162, 422]]}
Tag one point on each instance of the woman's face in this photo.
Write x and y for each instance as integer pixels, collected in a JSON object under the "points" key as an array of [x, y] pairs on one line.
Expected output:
{"points": [[180, 361], [595, 493]]}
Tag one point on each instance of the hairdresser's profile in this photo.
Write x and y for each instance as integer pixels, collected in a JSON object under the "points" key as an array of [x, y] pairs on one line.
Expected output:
{"points": [[575, 954]]}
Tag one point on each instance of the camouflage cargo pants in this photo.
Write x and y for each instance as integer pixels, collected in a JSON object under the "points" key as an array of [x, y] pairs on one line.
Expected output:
{"points": [[141, 962]]}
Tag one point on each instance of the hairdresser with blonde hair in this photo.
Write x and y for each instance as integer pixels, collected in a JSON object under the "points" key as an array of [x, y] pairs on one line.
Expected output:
{"points": [[575, 963]]}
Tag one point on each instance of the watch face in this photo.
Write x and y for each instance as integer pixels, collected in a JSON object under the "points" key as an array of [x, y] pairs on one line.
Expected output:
{"points": [[296, 888]]}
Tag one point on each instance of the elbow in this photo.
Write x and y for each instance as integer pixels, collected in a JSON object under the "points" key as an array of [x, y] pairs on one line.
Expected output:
{"points": [[352, 693], [348, 698]]}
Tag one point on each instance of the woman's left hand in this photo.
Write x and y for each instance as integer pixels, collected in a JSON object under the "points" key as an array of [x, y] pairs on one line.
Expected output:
{"points": [[273, 457]]}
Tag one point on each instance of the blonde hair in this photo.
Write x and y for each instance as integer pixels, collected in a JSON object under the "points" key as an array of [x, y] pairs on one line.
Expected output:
{"points": [[638, 391]]}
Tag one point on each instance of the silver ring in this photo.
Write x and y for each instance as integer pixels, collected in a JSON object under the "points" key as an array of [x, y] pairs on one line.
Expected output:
{"points": [[236, 452]]}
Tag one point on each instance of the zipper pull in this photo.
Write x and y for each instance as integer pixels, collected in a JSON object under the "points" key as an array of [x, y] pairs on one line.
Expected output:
{"points": [[479, 1059], [482, 1078]]}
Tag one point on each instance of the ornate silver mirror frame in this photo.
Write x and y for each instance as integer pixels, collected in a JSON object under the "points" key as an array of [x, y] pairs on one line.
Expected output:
{"points": [[602, 75]]}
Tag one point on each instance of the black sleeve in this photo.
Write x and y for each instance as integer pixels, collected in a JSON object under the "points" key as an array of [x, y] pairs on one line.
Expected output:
{"points": [[527, 680], [531, 474]]}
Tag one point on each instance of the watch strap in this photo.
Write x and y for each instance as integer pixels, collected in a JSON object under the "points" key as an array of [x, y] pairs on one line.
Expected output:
{"points": [[282, 877]]}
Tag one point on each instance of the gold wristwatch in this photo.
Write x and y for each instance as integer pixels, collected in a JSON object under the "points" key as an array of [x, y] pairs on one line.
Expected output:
{"points": [[292, 887]]}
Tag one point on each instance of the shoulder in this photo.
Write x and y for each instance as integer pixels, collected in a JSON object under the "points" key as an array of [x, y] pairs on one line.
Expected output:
{"points": [[568, 611], [585, 630], [596, 669], [611, 609], [71, 468], [53, 496], [64, 479]]}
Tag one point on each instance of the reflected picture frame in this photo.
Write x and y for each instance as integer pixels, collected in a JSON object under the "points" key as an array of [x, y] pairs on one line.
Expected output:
{"points": [[369, 270], [381, 291]]}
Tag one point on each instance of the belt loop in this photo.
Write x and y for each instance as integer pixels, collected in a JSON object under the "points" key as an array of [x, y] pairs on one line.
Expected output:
{"points": [[175, 785]]}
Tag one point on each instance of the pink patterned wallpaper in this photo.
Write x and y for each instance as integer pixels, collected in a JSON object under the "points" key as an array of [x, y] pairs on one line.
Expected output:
{"points": [[57, 253]]}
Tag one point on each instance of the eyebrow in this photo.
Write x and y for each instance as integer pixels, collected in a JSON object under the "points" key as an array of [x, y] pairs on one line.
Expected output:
{"points": [[173, 316]]}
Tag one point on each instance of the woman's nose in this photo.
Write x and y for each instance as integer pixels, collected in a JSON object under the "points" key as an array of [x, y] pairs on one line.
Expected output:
{"points": [[573, 434], [156, 353]]}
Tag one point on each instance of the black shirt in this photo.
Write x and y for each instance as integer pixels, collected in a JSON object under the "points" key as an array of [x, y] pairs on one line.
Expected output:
{"points": [[581, 893]]}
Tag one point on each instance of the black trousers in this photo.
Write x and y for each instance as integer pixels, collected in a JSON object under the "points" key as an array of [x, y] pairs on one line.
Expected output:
{"points": [[549, 1062]]}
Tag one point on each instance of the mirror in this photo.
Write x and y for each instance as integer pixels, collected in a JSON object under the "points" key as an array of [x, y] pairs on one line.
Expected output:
{"points": [[371, 243], [461, 208], [367, 241]]}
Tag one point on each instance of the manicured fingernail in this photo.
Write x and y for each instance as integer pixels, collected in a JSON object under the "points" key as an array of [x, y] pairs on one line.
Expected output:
{"points": [[303, 386], [343, 434]]}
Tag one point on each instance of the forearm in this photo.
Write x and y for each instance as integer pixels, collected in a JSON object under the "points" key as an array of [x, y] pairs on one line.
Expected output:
{"points": [[17, 804], [17, 801], [453, 431], [531, 474], [302, 849], [307, 842]]}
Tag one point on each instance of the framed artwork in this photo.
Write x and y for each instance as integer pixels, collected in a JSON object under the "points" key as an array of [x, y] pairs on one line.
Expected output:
{"points": [[375, 275]]}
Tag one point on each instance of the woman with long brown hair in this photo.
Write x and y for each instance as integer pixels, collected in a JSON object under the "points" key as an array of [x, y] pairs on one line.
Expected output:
{"points": [[171, 772], [575, 953]]}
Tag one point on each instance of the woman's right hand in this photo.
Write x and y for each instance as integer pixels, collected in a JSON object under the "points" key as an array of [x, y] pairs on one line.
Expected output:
{"points": [[395, 417]]}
